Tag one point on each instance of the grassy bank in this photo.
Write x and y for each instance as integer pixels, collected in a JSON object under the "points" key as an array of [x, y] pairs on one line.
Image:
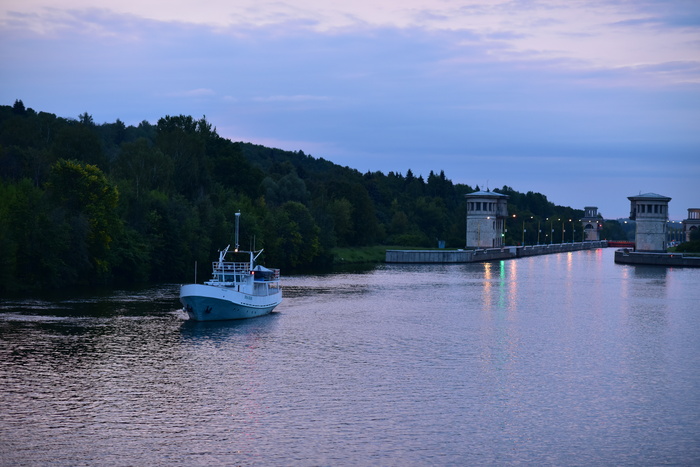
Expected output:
{"points": [[366, 254]]}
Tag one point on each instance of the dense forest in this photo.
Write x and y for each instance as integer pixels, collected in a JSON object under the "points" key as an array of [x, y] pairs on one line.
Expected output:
{"points": [[84, 203]]}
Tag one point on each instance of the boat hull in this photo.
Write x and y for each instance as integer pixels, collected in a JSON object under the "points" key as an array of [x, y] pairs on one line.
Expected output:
{"points": [[211, 303]]}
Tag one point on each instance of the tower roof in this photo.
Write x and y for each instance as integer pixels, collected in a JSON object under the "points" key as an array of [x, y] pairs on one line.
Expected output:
{"points": [[649, 196], [485, 194]]}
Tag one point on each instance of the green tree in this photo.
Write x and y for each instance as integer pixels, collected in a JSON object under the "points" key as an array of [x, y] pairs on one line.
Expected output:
{"points": [[8, 243], [365, 227], [184, 140], [431, 217], [612, 230], [35, 242], [231, 169], [18, 107], [692, 246], [144, 167], [86, 119], [83, 190], [292, 236], [79, 142], [341, 211]]}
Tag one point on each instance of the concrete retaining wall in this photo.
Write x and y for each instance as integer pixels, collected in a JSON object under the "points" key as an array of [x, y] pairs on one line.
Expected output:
{"points": [[656, 259], [428, 256], [488, 254]]}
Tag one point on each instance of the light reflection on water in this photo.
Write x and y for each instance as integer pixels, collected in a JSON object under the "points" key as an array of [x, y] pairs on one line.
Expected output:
{"points": [[556, 360]]}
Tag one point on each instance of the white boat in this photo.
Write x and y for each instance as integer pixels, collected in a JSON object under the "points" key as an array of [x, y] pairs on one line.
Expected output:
{"points": [[237, 290]]}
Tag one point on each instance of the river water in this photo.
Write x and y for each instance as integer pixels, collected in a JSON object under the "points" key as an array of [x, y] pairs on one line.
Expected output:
{"points": [[566, 359]]}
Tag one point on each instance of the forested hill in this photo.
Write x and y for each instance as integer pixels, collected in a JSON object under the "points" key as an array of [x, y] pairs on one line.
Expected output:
{"points": [[84, 203]]}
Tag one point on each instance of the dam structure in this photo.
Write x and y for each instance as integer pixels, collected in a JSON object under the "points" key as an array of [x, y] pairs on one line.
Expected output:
{"points": [[591, 224], [487, 212], [692, 223], [650, 211], [486, 215]]}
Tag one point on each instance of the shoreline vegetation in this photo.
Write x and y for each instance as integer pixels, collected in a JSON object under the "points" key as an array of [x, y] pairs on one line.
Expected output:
{"points": [[365, 255], [92, 204]]}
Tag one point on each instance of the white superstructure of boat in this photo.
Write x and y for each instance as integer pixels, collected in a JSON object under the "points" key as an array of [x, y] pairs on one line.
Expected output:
{"points": [[237, 290]]}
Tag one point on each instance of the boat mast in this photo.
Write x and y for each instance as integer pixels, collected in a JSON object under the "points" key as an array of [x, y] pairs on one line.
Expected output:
{"points": [[238, 223], [238, 217]]}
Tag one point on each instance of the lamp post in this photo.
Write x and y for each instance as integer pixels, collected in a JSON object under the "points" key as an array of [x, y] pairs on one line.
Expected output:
{"points": [[673, 231], [573, 231], [513, 239], [514, 216], [539, 230], [525, 230], [562, 231]]}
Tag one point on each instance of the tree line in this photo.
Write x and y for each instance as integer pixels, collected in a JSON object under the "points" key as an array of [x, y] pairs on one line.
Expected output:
{"points": [[84, 203]]}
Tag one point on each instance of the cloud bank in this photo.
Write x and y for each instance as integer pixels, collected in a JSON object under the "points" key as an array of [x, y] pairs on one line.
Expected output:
{"points": [[545, 96]]}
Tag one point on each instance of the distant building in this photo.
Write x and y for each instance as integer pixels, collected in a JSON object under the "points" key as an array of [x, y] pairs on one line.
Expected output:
{"points": [[591, 224], [486, 214], [692, 223], [650, 211]]}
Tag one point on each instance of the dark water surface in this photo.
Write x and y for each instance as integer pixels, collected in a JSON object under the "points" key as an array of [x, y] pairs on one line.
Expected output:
{"points": [[564, 359]]}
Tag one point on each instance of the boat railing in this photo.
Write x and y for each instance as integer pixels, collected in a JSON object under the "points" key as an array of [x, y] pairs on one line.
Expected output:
{"points": [[229, 267]]}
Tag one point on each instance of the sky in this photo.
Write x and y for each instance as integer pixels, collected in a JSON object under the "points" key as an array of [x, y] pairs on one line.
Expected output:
{"points": [[586, 102]]}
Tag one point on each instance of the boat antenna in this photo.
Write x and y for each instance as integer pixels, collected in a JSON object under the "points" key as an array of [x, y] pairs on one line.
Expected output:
{"points": [[238, 219]]}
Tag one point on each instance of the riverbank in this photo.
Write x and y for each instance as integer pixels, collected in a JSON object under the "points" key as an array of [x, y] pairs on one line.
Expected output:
{"points": [[364, 254]]}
